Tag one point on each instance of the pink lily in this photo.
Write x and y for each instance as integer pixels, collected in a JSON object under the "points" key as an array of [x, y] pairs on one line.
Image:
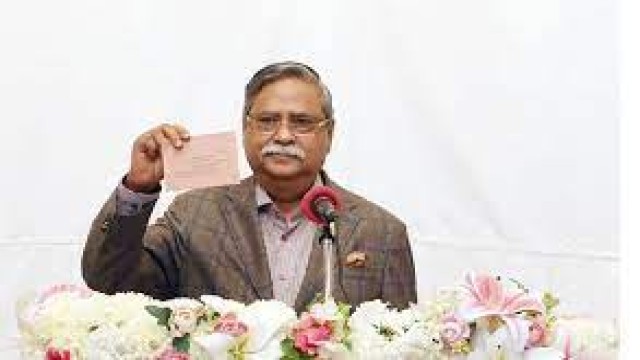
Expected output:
{"points": [[487, 297]]}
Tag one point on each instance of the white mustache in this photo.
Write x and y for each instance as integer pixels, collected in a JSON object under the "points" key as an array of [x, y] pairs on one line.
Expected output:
{"points": [[287, 150]]}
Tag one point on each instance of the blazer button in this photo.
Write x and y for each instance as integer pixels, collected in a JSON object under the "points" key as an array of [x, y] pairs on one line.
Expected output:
{"points": [[105, 225]]}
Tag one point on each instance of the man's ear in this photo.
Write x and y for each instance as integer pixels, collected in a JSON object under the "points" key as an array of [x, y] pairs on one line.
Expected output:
{"points": [[330, 133]]}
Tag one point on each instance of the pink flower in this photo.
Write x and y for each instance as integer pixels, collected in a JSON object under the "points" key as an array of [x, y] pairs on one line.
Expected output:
{"points": [[81, 291], [309, 334], [306, 321], [567, 349], [229, 324], [537, 332], [172, 354], [57, 354], [309, 340], [454, 329], [488, 297]]}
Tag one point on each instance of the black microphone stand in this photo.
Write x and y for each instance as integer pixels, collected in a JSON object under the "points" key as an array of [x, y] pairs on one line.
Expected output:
{"points": [[327, 241]]}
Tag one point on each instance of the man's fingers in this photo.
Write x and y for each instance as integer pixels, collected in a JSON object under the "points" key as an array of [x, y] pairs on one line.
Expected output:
{"points": [[171, 133], [151, 142], [182, 132], [149, 145]]}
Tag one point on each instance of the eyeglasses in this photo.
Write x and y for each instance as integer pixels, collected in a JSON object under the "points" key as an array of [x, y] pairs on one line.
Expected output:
{"points": [[299, 124]]}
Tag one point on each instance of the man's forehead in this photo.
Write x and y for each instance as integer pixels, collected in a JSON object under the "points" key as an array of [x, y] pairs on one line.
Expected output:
{"points": [[291, 83], [289, 92]]}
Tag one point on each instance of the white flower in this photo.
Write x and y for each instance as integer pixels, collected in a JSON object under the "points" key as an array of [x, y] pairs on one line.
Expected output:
{"points": [[325, 311], [268, 322], [216, 345], [378, 332], [183, 303], [107, 343], [586, 337], [334, 351], [183, 320], [94, 327], [543, 353], [222, 305]]}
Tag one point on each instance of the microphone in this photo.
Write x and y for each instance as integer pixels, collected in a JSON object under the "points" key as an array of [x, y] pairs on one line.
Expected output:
{"points": [[321, 205]]}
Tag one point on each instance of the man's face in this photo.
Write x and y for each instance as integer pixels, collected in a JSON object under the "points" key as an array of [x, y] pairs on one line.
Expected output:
{"points": [[285, 153]]}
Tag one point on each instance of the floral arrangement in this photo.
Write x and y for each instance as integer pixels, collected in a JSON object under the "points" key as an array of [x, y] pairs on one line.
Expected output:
{"points": [[486, 317], [322, 332]]}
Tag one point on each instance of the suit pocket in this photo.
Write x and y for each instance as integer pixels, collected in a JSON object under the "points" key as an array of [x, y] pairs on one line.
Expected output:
{"points": [[361, 284]]}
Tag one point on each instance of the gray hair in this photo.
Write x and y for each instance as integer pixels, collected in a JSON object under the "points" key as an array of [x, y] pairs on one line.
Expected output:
{"points": [[282, 70]]}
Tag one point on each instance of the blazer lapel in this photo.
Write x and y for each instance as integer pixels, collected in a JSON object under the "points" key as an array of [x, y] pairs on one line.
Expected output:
{"points": [[242, 217], [313, 282]]}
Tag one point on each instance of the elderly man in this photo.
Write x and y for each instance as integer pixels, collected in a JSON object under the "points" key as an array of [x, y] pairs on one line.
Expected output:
{"points": [[249, 241]]}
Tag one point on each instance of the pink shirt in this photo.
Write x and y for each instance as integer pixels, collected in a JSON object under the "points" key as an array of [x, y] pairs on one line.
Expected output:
{"points": [[288, 242]]}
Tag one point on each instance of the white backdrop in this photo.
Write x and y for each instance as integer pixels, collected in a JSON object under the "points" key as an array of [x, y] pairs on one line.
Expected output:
{"points": [[490, 127]]}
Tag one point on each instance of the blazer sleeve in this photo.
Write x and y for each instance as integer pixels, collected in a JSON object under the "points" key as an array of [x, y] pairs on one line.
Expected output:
{"points": [[122, 253], [399, 280]]}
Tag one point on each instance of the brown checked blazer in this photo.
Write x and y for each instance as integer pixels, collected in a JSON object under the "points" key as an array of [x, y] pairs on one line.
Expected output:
{"points": [[209, 242]]}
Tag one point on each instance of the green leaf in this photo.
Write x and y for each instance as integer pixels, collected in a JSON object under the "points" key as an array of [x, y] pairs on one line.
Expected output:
{"points": [[348, 344], [519, 285], [550, 301], [344, 310], [161, 313], [237, 352], [213, 315], [289, 352], [388, 332], [182, 344]]}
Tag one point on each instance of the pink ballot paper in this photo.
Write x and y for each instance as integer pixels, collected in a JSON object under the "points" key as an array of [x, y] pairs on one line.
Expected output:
{"points": [[204, 160]]}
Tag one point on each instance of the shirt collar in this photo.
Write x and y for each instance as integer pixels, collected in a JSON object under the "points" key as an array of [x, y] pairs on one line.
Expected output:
{"points": [[263, 200]]}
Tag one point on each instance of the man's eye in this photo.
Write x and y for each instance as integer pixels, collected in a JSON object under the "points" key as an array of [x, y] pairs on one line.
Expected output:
{"points": [[265, 119], [302, 120]]}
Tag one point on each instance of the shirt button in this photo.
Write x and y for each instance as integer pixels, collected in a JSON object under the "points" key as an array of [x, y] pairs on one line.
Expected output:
{"points": [[281, 277]]}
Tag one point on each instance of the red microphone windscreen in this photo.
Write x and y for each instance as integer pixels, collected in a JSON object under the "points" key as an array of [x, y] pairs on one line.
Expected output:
{"points": [[307, 205]]}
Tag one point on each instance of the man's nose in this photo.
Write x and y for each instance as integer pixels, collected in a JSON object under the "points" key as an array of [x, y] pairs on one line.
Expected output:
{"points": [[283, 134]]}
